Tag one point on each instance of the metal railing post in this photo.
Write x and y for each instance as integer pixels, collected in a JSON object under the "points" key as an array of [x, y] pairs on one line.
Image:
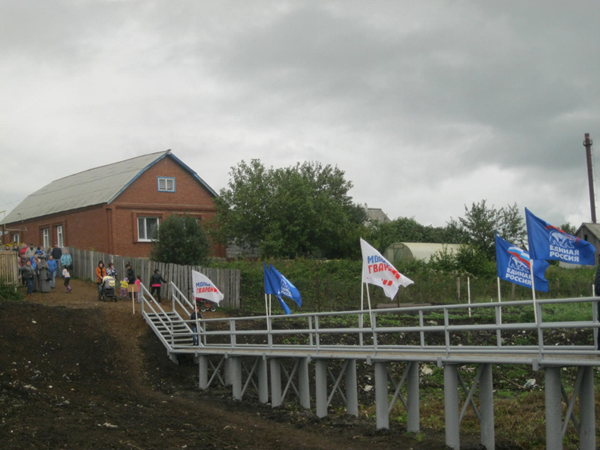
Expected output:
{"points": [[446, 331], [421, 333], [269, 335]]}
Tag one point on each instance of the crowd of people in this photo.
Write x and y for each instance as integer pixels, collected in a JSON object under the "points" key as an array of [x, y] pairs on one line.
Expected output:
{"points": [[102, 273], [39, 267]]}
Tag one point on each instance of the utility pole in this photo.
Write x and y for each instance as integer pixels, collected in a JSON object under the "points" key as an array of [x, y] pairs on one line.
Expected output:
{"points": [[587, 143]]}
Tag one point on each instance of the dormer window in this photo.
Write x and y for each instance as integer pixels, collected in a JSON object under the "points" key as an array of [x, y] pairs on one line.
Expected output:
{"points": [[166, 184]]}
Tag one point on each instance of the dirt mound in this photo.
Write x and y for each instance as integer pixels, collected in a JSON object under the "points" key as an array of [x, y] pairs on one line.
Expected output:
{"points": [[78, 373]]}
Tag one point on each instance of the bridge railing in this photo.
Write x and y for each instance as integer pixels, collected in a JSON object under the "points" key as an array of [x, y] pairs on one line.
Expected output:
{"points": [[429, 329]]}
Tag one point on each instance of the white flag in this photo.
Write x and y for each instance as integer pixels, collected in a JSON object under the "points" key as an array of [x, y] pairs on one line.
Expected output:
{"points": [[204, 288], [378, 271]]}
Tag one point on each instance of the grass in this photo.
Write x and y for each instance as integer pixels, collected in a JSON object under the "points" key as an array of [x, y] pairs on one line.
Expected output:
{"points": [[519, 414], [10, 294]]}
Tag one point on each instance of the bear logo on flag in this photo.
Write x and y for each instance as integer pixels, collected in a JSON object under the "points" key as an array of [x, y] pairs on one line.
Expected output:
{"points": [[561, 239], [519, 260]]}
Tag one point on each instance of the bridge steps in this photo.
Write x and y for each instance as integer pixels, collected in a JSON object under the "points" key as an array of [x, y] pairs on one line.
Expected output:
{"points": [[166, 323]]}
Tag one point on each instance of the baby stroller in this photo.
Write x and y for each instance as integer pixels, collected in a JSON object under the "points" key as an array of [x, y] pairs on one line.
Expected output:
{"points": [[206, 305], [108, 289]]}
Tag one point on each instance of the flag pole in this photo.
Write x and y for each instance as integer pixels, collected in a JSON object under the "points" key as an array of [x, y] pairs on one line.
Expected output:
{"points": [[362, 308], [267, 311], [499, 300], [535, 313], [370, 310], [469, 293]]}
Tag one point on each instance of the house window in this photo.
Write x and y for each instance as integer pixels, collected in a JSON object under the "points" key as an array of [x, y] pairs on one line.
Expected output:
{"points": [[46, 237], [59, 236], [166, 184], [147, 228], [16, 238]]}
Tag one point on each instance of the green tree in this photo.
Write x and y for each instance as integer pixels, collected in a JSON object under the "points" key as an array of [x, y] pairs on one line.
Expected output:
{"points": [[481, 221], [301, 210], [180, 240], [568, 228]]}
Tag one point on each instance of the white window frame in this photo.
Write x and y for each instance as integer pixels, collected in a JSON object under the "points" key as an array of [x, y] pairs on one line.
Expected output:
{"points": [[16, 238], [60, 238], [168, 184], [46, 237], [143, 228]]}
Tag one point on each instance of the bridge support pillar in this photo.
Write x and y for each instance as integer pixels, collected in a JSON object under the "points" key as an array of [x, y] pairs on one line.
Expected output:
{"points": [[554, 439], [227, 370], [451, 410], [203, 372], [321, 387], [235, 368], [412, 397], [381, 396], [275, 382], [351, 389], [587, 419], [486, 407], [303, 383], [263, 380]]}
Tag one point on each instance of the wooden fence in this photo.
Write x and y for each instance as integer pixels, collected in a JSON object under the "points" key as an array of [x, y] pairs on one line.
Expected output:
{"points": [[9, 268], [227, 280]]}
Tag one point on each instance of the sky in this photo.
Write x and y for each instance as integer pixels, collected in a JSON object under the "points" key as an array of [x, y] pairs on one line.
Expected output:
{"points": [[426, 106]]}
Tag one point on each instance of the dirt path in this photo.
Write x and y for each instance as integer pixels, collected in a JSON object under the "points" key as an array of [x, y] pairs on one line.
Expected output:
{"points": [[78, 373]]}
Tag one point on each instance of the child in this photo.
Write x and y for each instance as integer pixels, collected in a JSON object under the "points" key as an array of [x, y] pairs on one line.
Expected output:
{"points": [[67, 277], [138, 283], [124, 285]]}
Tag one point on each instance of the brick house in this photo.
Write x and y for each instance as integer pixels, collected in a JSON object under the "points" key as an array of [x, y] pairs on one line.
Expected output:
{"points": [[113, 209]]}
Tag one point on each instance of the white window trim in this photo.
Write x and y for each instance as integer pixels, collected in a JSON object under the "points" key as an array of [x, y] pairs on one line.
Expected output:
{"points": [[166, 180], [16, 238], [46, 237], [140, 239], [60, 236]]}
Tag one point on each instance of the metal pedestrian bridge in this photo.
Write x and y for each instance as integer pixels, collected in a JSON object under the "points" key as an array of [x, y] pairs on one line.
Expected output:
{"points": [[273, 355]]}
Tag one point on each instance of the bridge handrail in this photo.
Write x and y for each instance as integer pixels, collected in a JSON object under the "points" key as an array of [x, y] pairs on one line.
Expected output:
{"points": [[315, 332], [159, 316], [176, 290]]}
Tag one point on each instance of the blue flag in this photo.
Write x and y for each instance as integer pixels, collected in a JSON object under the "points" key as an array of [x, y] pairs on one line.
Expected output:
{"points": [[513, 264], [272, 286], [551, 243], [286, 287]]}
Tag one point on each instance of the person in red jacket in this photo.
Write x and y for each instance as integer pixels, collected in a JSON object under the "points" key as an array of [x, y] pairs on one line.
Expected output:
{"points": [[100, 274]]}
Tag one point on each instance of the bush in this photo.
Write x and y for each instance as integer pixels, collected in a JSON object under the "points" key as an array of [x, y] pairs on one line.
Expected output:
{"points": [[335, 285], [180, 240], [10, 294]]}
